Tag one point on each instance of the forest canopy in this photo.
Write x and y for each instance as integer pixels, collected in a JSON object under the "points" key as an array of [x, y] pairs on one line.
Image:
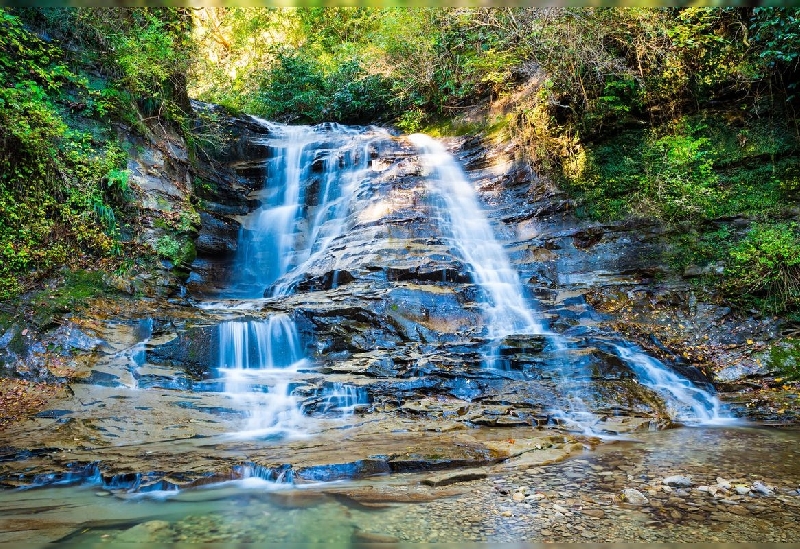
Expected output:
{"points": [[682, 114]]}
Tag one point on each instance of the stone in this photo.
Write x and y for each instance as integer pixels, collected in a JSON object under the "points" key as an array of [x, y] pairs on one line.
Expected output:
{"points": [[360, 537], [452, 477], [633, 496], [741, 489], [723, 484], [760, 488], [683, 481], [594, 513]]}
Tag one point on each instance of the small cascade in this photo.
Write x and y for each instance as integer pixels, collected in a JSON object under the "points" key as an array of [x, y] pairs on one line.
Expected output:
{"points": [[138, 353], [686, 401], [281, 475], [472, 236], [342, 398], [258, 359], [312, 174]]}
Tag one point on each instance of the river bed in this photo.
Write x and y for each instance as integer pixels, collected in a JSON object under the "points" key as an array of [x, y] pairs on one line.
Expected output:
{"points": [[576, 500]]}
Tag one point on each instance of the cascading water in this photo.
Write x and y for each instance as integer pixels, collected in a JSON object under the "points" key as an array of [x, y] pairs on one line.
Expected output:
{"points": [[342, 398], [295, 224], [687, 401], [473, 237], [257, 359], [312, 174], [505, 304]]}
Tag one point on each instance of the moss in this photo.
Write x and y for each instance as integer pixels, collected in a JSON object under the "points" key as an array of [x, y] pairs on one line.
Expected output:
{"points": [[785, 360], [491, 128], [72, 293], [698, 167]]}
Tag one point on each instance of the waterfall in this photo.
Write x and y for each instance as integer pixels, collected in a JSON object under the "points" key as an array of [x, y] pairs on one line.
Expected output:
{"points": [[471, 234], [312, 175], [466, 225], [258, 359], [687, 401], [342, 398]]}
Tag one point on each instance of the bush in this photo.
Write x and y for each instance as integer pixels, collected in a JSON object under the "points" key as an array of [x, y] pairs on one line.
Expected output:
{"points": [[765, 266]]}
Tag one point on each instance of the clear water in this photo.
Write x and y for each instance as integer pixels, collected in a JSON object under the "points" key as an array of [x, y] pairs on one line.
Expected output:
{"points": [[255, 510]]}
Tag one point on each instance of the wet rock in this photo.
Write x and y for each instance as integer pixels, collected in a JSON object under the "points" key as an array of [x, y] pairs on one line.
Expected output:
{"points": [[142, 533], [759, 487], [633, 496], [587, 238], [218, 237], [360, 537], [682, 481], [453, 477], [723, 483]]}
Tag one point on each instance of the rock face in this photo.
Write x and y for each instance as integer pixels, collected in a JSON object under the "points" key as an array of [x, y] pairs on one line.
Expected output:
{"points": [[399, 371]]}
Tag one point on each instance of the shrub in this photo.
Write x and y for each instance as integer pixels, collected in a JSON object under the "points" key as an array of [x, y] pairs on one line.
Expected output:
{"points": [[765, 266]]}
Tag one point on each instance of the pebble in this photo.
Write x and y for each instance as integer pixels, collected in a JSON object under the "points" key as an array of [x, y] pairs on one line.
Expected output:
{"points": [[682, 481], [602, 508], [742, 490], [634, 497], [761, 488]]}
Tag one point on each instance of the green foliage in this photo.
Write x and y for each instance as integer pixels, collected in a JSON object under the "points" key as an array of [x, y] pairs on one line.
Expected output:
{"points": [[179, 250], [765, 264], [699, 247], [68, 75], [679, 175], [697, 168], [777, 32]]}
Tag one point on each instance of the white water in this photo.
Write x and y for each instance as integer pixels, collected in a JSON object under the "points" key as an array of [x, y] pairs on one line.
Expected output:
{"points": [[342, 398], [505, 304], [472, 236], [294, 229], [291, 229], [258, 360], [685, 400]]}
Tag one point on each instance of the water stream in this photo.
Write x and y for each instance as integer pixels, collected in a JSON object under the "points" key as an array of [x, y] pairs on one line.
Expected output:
{"points": [[289, 410], [471, 234], [574, 501], [508, 310], [258, 360], [312, 174]]}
